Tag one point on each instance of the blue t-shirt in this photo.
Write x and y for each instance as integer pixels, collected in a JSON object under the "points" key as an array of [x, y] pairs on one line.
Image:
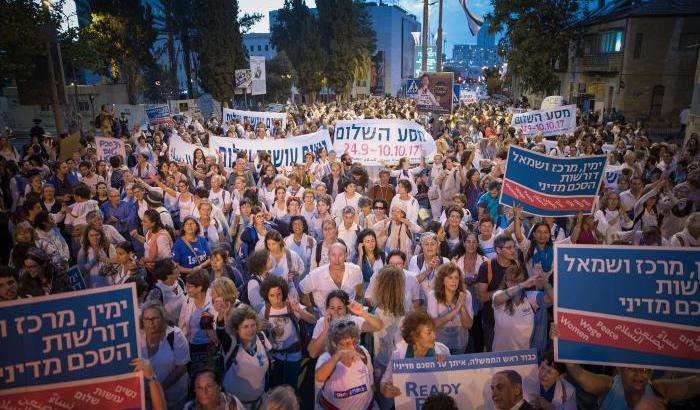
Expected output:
{"points": [[183, 255]]}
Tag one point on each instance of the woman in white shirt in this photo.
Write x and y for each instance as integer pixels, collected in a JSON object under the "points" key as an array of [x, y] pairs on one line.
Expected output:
{"points": [[514, 309], [349, 197], [300, 242], [450, 304], [345, 371], [611, 217], [279, 207], [247, 361]]}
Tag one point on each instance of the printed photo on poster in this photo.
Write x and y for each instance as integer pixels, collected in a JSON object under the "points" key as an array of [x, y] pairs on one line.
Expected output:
{"points": [[435, 92], [376, 86]]}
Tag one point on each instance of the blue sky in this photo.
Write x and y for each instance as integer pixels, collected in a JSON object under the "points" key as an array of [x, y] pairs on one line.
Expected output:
{"points": [[455, 28]]}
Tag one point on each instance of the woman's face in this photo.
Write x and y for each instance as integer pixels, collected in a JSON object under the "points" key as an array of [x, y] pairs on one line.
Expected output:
{"points": [[280, 193], [475, 178], [152, 321], [542, 234], [101, 189], [259, 218], [452, 281], [217, 262], [369, 242], [293, 208], [613, 201], [24, 236], [424, 336], [247, 330], [322, 207], [94, 237], [471, 244], [206, 390], [425, 82], [350, 189], [275, 298], [123, 257], [347, 343], [429, 247], [205, 211], [309, 198], [455, 219], [548, 375], [190, 227], [36, 182], [147, 223], [273, 245], [337, 309], [298, 227]]}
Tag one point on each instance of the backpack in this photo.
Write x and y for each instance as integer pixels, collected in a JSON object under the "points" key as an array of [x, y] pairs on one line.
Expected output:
{"points": [[231, 359], [244, 292], [302, 332], [420, 261], [319, 249]]}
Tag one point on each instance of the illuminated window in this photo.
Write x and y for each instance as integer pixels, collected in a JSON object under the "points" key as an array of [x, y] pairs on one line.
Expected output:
{"points": [[611, 42]]}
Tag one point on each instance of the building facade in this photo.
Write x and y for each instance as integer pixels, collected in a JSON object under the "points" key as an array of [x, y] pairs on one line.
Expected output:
{"points": [[259, 44], [637, 57]]}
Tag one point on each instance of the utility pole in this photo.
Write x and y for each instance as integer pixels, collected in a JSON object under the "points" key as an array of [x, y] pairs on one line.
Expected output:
{"points": [[439, 38], [55, 103], [424, 40]]}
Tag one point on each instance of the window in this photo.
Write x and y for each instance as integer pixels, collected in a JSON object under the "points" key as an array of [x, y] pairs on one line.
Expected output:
{"points": [[45, 108], [611, 42], [267, 47], [83, 106], [252, 48], [657, 99], [638, 38], [259, 47]]}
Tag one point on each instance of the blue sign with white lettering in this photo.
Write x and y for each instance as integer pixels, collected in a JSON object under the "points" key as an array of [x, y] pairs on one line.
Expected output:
{"points": [[645, 310], [411, 88], [68, 337]]}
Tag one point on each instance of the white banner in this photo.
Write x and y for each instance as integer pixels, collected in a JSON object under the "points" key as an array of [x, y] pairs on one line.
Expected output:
{"points": [[382, 142], [551, 102], [255, 117], [466, 378], [550, 145], [109, 147], [135, 114], [468, 97], [283, 152], [184, 107], [183, 151], [555, 121], [257, 69], [612, 176]]}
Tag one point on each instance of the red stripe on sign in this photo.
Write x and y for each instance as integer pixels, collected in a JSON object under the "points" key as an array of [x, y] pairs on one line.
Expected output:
{"points": [[543, 201], [625, 334]]}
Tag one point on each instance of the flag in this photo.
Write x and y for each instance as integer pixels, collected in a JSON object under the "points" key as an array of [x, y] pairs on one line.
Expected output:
{"points": [[475, 22]]}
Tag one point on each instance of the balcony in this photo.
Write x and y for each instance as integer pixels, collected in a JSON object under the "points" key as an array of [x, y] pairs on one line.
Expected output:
{"points": [[606, 63]]}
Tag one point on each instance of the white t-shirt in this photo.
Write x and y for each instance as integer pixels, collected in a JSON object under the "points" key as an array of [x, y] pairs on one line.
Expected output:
{"points": [[319, 283], [487, 245], [385, 340], [452, 334], [283, 334], [415, 270], [246, 377], [349, 388], [166, 359], [513, 332], [411, 207], [173, 298]]}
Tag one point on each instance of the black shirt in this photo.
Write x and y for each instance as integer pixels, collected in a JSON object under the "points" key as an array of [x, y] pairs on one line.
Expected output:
{"points": [[499, 273]]}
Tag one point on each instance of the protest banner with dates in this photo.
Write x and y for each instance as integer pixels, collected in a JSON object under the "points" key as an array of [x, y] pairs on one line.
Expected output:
{"points": [[553, 121], [382, 142]]}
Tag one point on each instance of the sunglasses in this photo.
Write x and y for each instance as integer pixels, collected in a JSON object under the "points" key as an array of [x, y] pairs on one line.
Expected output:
{"points": [[345, 324]]}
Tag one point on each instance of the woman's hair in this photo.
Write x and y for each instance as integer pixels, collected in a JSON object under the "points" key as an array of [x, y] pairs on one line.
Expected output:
{"points": [[25, 226], [240, 315], [341, 329], [390, 289], [126, 246], [444, 271], [462, 247], [414, 320], [281, 398], [531, 250], [196, 224], [378, 252], [257, 261], [104, 243], [225, 288], [339, 294], [163, 269], [199, 278], [295, 218], [158, 307], [154, 217], [274, 235], [271, 282]]}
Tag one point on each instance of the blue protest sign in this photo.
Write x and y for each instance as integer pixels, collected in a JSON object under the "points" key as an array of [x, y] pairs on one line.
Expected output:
{"points": [[411, 88], [77, 281], [551, 186], [74, 336], [634, 306], [456, 92], [159, 114]]}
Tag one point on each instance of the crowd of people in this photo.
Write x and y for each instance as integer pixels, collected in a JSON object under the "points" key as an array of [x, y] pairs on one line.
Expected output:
{"points": [[274, 287]]}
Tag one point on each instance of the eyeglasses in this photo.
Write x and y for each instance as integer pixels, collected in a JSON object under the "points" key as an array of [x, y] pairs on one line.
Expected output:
{"points": [[379, 207], [151, 319]]}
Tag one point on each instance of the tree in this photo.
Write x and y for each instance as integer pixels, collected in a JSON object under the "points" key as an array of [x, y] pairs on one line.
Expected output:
{"points": [[248, 20], [537, 34], [280, 74], [21, 40], [297, 34], [218, 44], [350, 41], [120, 34]]}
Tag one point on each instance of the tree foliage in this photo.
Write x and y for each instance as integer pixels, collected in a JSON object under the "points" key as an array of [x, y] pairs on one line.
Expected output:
{"points": [[22, 36], [219, 46], [350, 41], [248, 20], [297, 34], [120, 36], [280, 73], [537, 34]]}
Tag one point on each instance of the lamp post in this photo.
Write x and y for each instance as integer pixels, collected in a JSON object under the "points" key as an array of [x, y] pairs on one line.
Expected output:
{"points": [[439, 37]]}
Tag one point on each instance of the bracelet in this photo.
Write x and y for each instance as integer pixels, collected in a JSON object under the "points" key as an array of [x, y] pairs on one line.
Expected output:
{"points": [[151, 379]]}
